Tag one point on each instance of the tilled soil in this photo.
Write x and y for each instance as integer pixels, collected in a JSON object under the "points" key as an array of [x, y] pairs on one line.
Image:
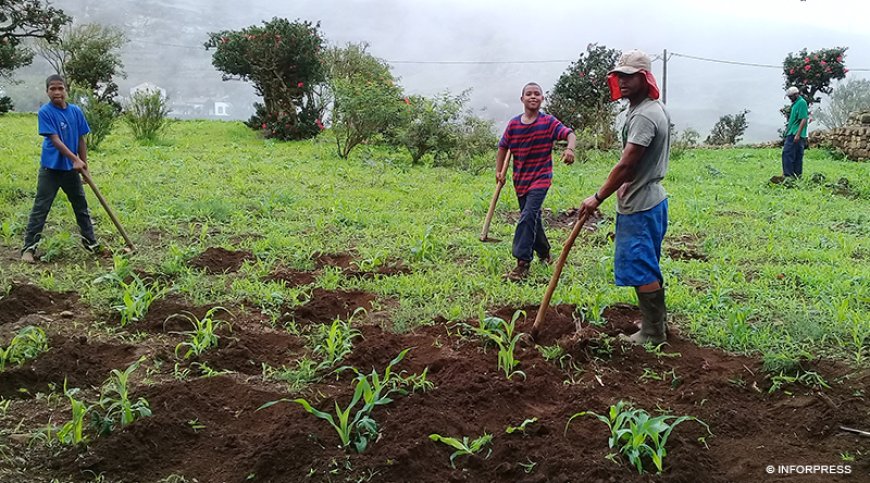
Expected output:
{"points": [[217, 260], [210, 429]]}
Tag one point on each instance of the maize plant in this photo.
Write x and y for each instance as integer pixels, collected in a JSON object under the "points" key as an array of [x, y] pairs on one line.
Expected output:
{"points": [[502, 334], [637, 435], [356, 426], [136, 299], [463, 446], [27, 344], [203, 336], [72, 432], [334, 342], [116, 403]]}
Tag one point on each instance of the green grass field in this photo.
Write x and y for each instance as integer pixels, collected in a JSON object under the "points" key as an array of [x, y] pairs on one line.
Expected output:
{"points": [[784, 268]]}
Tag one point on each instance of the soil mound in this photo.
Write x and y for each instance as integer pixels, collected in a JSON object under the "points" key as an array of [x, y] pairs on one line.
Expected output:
{"points": [[217, 260], [27, 299]]}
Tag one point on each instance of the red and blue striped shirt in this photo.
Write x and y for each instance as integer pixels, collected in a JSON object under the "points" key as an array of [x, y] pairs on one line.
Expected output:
{"points": [[532, 147]]}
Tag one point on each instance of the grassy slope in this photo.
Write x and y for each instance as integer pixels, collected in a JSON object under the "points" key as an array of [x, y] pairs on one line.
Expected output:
{"points": [[784, 265]]}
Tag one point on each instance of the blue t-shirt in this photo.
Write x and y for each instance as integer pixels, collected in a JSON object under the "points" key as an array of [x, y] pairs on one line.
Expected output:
{"points": [[69, 124]]}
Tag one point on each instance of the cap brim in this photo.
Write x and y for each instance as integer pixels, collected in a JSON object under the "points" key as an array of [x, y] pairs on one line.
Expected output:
{"points": [[624, 69]]}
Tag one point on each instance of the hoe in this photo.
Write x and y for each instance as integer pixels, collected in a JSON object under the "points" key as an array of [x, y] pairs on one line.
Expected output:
{"points": [[484, 235]]}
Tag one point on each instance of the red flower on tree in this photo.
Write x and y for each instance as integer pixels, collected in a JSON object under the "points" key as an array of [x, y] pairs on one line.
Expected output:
{"points": [[300, 85]]}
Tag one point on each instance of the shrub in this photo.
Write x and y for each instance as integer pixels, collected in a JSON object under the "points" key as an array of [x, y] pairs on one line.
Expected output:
{"points": [[101, 115], [146, 114], [728, 130], [5, 104]]}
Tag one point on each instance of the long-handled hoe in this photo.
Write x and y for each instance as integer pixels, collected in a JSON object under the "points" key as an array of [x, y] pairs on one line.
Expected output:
{"points": [[484, 235], [557, 271], [87, 177]]}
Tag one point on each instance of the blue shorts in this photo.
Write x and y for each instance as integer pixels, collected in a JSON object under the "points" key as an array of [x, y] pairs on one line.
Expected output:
{"points": [[639, 246]]}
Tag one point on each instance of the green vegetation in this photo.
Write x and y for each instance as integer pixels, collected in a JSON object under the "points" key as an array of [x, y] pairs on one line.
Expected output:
{"points": [[783, 267], [463, 446], [371, 390], [637, 435], [27, 344]]}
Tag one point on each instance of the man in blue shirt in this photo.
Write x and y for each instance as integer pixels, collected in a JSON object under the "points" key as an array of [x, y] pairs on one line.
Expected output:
{"points": [[64, 156]]}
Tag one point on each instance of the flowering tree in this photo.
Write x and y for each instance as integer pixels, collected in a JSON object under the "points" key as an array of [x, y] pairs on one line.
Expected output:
{"points": [[282, 59], [813, 72], [581, 97]]}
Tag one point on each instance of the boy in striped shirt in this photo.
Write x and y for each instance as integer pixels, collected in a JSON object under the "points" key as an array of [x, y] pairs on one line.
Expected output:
{"points": [[529, 137]]}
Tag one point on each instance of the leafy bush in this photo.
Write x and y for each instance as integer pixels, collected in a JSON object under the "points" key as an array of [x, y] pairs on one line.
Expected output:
{"points": [[728, 129], [146, 114], [363, 110], [101, 115], [430, 125], [475, 145], [5, 104], [366, 99], [683, 141]]}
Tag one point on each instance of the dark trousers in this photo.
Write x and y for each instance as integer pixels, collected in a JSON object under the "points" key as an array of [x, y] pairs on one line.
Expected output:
{"points": [[793, 156], [49, 181], [529, 237]]}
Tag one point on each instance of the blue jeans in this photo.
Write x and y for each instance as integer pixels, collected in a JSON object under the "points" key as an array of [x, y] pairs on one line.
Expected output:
{"points": [[49, 181], [793, 157], [529, 237]]}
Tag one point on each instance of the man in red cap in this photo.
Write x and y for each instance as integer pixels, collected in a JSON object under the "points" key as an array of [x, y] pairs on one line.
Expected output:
{"points": [[642, 203]]}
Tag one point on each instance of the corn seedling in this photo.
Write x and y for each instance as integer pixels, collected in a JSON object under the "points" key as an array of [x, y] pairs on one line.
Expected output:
{"points": [[356, 430], [27, 344], [207, 371], [806, 378], [115, 401], [7, 231], [521, 428], [529, 466], [464, 446], [303, 374], [551, 353], [636, 434], [203, 336], [416, 382], [4, 406], [502, 334], [136, 299], [72, 432], [334, 342], [371, 390], [120, 270], [195, 425], [657, 351]]}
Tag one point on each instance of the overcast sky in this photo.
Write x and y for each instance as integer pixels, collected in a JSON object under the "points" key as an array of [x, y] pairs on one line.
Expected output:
{"points": [[754, 31]]}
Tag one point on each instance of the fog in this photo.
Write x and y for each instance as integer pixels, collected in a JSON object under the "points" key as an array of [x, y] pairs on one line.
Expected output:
{"points": [[515, 41]]}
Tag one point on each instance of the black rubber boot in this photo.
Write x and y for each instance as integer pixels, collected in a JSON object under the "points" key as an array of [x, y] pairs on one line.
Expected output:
{"points": [[653, 328]]}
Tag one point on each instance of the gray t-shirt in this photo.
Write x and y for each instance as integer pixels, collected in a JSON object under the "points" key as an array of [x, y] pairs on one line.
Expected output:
{"points": [[647, 124]]}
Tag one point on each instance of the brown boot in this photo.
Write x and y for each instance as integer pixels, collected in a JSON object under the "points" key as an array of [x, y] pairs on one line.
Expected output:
{"points": [[653, 328], [519, 273]]}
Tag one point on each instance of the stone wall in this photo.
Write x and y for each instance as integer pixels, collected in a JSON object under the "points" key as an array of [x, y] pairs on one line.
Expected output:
{"points": [[853, 139]]}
